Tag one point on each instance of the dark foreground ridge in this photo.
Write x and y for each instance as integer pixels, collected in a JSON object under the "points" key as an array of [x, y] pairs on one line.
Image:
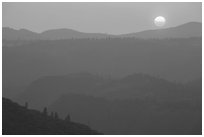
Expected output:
{"points": [[18, 120]]}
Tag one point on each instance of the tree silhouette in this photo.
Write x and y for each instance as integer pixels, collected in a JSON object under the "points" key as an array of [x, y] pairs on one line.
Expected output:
{"points": [[52, 115], [56, 116], [45, 111], [26, 105], [18, 121], [67, 118]]}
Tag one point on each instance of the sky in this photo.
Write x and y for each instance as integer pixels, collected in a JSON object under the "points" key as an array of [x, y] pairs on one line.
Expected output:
{"points": [[112, 18]]}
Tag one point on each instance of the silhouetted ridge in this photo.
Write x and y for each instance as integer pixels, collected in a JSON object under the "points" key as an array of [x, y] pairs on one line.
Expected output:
{"points": [[139, 77], [191, 29], [139, 116], [172, 59], [22, 34], [18, 120], [146, 80], [48, 89], [187, 30]]}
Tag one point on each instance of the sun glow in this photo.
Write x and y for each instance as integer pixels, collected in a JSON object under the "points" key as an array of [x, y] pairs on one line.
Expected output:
{"points": [[159, 21]]}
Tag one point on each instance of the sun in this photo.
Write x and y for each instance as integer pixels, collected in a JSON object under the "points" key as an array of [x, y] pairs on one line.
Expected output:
{"points": [[159, 21]]}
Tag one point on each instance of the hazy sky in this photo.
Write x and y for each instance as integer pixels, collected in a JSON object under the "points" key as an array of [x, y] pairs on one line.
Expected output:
{"points": [[113, 18]]}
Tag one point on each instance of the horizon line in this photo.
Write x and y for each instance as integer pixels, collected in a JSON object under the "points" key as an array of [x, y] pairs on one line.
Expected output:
{"points": [[159, 28]]}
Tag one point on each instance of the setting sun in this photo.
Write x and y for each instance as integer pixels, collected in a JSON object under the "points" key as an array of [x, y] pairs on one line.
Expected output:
{"points": [[159, 21]]}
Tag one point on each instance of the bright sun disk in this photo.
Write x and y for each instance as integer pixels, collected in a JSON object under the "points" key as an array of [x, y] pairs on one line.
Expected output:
{"points": [[159, 21]]}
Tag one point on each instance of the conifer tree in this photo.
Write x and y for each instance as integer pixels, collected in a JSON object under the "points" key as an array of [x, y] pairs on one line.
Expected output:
{"points": [[56, 115], [45, 111], [52, 115], [26, 105], [67, 118]]}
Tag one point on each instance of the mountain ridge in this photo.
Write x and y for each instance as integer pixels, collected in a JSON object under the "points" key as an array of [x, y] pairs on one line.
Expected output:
{"points": [[190, 29], [130, 87]]}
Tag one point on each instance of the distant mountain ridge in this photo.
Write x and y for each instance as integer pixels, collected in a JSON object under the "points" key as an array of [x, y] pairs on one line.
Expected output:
{"points": [[78, 83], [46, 90], [70, 34], [54, 34], [22, 34], [121, 106], [172, 59], [191, 29]]}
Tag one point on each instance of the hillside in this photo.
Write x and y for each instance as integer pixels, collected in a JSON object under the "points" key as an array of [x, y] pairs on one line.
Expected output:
{"points": [[22, 34], [172, 59], [187, 30], [57, 34], [133, 117], [147, 87], [54, 34], [46, 90], [134, 101], [18, 120], [191, 29]]}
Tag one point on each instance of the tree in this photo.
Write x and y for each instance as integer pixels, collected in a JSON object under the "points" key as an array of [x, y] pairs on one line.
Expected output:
{"points": [[26, 105], [52, 115], [56, 116], [67, 118], [45, 111]]}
